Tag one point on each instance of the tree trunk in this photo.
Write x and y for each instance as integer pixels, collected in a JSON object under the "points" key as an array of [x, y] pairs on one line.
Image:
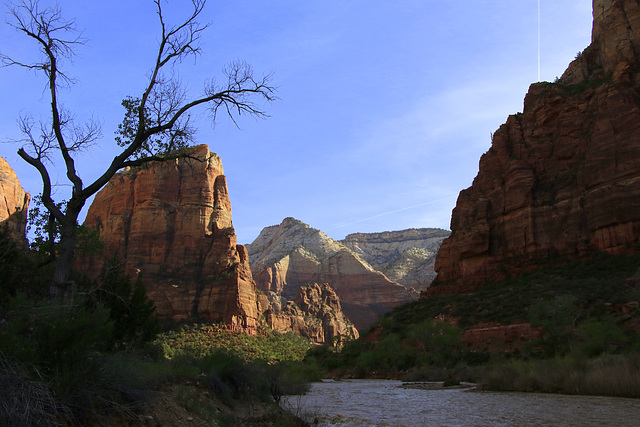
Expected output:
{"points": [[66, 251]]}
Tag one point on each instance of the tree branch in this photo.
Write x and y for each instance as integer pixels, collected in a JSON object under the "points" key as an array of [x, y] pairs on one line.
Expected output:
{"points": [[43, 26], [46, 187], [156, 125]]}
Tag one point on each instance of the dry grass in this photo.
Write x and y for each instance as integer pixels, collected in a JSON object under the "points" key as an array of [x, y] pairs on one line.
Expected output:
{"points": [[607, 375], [24, 402]]}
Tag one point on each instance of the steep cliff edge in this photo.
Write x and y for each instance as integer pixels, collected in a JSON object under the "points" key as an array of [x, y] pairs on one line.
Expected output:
{"points": [[562, 178], [406, 256], [290, 255], [14, 203], [170, 224]]}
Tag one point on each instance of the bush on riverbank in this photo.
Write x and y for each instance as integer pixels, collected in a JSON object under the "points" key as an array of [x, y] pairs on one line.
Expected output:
{"points": [[199, 341], [58, 366], [85, 362], [607, 375], [587, 312]]}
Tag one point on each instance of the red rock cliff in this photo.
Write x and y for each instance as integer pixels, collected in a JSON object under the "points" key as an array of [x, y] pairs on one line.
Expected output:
{"points": [[315, 314], [561, 179], [170, 223], [14, 203]]}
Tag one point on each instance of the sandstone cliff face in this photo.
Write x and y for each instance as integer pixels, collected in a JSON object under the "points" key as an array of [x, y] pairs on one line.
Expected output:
{"points": [[290, 255], [14, 203], [315, 314], [406, 257], [170, 223], [561, 179]]}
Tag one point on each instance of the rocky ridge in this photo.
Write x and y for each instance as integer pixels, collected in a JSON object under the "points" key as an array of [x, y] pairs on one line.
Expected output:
{"points": [[406, 256], [288, 256], [561, 179], [14, 203], [315, 314]]}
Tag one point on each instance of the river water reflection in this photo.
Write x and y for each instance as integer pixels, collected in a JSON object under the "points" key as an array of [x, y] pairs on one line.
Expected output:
{"points": [[385, 403]]}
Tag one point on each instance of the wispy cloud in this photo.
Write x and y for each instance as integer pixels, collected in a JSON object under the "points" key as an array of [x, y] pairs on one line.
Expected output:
{"points": [[430, 202]]}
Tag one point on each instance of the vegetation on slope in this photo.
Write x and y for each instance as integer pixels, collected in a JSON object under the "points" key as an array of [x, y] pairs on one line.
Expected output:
{"points": [[200, 341], [97, 358], [586, 311]]}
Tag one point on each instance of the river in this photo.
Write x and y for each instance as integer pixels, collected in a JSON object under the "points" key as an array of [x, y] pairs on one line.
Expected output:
{"points": [[385, 403]]}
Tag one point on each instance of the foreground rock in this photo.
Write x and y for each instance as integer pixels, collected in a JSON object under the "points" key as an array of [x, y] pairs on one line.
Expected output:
{"points": [[406, 256], [288, 256], [561, 179], [14, 203], [170, 224], [315, 314]]}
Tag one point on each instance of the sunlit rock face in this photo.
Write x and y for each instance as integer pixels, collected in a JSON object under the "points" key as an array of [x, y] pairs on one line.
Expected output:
{"points": [[406, 256], [290, 255], [14, 203], [170, 224], [562, 178], [315, 314]]}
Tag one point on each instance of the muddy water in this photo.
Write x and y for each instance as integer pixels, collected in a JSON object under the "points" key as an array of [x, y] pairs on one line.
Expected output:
{"points": [[385, 403]]}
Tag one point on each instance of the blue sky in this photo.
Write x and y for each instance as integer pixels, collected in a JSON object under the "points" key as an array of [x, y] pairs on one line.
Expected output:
{"points": [[385, 106]]}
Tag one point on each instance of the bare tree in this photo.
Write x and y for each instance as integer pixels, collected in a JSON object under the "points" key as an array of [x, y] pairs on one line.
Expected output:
{"points": [[156, 123]]}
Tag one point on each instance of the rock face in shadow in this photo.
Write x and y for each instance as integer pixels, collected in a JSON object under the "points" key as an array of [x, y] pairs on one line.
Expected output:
{"points": [[562, 178], [406, 256], [288, 256], [14, 203], [170, 224], [315, 314]]}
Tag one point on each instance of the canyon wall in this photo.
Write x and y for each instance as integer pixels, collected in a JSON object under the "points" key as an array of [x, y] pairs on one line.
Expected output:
{"points": [[406, 256], [562, 178], [170, 225], [14, 203], [290, 255]]}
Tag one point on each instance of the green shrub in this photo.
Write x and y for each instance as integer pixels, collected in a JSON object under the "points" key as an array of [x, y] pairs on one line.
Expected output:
{"points": [[597, 337], [440, 342], [199, 341], [21, 271], [287, 379], [131, 312], [62, 350], [611, 375]]}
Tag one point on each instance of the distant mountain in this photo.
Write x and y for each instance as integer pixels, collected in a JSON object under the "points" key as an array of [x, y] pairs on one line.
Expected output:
{"points": [[406, 256], [290, 255]]}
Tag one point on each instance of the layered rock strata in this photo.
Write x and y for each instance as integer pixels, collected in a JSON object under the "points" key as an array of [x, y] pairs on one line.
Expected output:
{"points": [[14, 203], [562, 178], [315, 314], [406, 256], [290, 255], [170, 224]]}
